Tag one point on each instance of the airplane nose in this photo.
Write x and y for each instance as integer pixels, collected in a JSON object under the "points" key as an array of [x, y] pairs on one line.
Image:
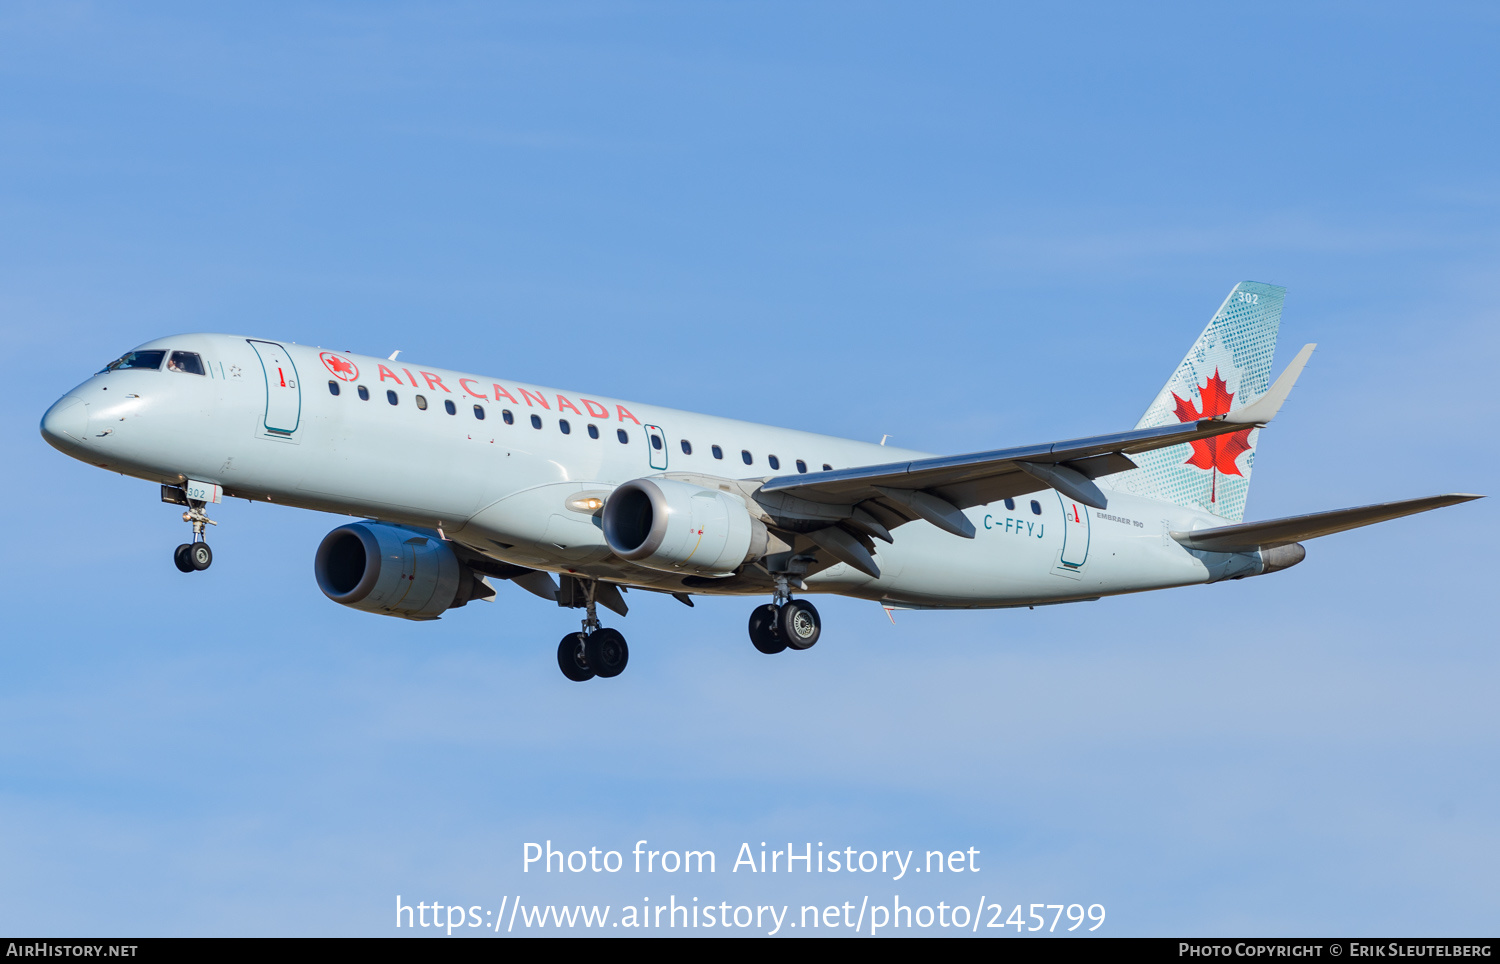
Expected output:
{"points": [[66, 422]]}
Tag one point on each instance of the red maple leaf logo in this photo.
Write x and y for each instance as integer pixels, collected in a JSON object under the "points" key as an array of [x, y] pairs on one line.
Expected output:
{"points": [[1220, 453], [341, 367]]}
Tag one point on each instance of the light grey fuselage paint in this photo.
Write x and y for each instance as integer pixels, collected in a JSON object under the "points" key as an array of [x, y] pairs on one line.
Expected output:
{"points": [[265, 426]]}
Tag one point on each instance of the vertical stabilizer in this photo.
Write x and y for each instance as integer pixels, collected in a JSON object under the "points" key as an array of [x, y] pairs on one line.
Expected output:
{"points": [[1227, 368]]}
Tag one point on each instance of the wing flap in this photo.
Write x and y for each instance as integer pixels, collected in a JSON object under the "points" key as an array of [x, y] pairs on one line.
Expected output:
{"points": [[982, 477], [1280, 532]]}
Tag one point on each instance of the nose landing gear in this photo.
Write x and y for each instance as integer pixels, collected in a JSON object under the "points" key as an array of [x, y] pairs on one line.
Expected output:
{"points": [[192, 556]]}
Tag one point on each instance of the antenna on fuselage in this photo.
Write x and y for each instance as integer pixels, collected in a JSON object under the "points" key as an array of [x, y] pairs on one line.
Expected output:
{"points": [[394, 354], [883, 438]]}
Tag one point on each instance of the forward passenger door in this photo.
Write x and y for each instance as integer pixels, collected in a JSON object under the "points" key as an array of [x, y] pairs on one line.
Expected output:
{"points": [[283, 396]]}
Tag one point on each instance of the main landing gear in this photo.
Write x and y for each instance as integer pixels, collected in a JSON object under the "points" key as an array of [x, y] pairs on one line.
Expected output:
{"points": [[596, 651], [195, 556], [785, 623]]}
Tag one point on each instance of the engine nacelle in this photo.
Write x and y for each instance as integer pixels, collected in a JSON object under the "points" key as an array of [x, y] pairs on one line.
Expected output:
{"points": [[394, 571], [683, 528]]}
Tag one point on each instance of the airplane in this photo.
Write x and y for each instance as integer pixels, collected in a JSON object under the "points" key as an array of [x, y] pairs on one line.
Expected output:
{"points": [[460, 479]]}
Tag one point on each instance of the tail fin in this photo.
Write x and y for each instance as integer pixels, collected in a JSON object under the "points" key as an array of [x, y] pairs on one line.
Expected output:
{"points": [[1227, 368]]}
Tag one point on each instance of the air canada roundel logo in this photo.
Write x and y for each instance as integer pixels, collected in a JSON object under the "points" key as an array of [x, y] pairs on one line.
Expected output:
{"points": [[341, 367]]}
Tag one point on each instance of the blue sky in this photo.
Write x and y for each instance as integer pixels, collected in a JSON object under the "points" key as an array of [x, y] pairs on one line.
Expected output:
{"points": [[965, 226]]}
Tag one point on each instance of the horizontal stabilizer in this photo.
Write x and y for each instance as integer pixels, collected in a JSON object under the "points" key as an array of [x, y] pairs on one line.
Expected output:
{"points": [[1280, 532]]}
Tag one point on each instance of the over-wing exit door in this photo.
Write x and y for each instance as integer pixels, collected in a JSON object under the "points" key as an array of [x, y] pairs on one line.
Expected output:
{"points": [[283, 397], [656, 441]]}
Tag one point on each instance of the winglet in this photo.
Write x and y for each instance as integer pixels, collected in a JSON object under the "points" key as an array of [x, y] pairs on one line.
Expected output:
{"points": [[1263, 409]]}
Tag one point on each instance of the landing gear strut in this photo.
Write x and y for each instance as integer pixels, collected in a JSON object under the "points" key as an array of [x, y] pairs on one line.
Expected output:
{"points": [[596, 651], [194, 556], [784, 623]]}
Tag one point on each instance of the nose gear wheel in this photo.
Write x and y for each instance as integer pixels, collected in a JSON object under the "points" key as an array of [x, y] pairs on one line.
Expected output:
{"points": [[193, 556]]}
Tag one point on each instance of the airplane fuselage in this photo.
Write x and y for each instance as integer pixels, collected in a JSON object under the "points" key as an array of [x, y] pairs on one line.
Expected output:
{"points": [[503, 466]]}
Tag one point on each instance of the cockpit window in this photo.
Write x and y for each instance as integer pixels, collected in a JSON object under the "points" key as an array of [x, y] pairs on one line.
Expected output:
{"points": [[187, 362], [137, 359]]}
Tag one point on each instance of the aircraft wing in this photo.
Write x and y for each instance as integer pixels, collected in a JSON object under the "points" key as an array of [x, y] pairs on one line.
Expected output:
{"points": [[1280, 532], [844, 509], [936, 489]]}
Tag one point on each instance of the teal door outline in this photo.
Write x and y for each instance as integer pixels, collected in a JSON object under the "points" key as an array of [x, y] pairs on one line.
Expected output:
{"points": [[1076, 533], [656, 447], [283, 396]]}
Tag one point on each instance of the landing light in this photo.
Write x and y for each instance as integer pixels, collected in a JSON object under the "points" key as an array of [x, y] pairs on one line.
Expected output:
{"points": [[586, 504]]}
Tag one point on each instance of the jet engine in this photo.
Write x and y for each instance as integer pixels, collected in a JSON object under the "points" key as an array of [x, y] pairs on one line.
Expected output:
{"points": [[682, 528], [395, 571]]}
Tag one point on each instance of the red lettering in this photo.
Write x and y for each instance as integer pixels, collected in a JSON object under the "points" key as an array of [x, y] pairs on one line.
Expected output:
{"points": [[387, 373], [590, 404], [562, 403], [540, 400], [435, 382], [625, 413], [412, 377], [466, 382], [500, 391]]}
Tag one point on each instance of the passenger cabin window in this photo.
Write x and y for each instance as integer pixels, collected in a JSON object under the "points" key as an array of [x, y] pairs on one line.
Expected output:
{"points": [[364, 394], [422, 402], [136, 359], [623, 436], [333, 388], [593, 431], [390, 396], [449, 407], [718, 452], [536, 421], [687, 447], [564, 427], [479, 412], [1036, 507], [745, 454], [656, 442], [508, 418], [186, 362], [775, 462], [1010, 504], [801, 466], [827, 467]]}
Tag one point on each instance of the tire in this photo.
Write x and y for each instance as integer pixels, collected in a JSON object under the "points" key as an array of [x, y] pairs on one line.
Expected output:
{"points": [[200, 556], [180, 557], [607, 653], [800, 625], [570, 659], [763, 634]]}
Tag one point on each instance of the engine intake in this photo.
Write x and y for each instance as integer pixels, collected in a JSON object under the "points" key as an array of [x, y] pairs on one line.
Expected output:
{"points": [[394, 571], [683, 528]]}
